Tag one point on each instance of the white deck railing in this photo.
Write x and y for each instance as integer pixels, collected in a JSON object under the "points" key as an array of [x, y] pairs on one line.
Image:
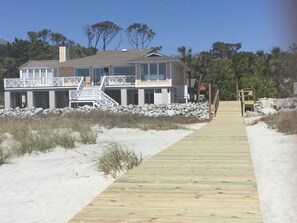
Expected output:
{"points": [[95, 95], [43, 82], [119, 80]]}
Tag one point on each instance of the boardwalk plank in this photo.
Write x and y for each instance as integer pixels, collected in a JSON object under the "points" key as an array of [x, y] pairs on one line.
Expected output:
{"points": [[207, 177]]}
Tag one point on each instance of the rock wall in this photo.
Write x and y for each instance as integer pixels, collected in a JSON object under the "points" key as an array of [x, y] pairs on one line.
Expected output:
{"points": [[197, 110], [270, 106]]}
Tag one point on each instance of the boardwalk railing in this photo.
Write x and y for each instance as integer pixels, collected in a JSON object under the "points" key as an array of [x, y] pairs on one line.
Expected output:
{"points": [[216, 101]]}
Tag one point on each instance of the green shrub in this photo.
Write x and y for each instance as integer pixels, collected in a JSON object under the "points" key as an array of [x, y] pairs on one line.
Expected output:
{"points": [[116, 158]]}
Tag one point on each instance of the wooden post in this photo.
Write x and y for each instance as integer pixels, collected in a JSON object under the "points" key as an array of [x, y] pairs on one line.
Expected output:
{"points": [[209, 101]]}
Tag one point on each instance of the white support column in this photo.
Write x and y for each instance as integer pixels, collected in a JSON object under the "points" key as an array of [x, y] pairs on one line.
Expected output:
{"points": [[140, 96], [52, 100], [124, 97], [30, 99], [164, 96], [7, 100]]}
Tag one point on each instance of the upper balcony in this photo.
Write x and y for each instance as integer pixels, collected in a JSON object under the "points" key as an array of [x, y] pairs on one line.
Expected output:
{"points": [[53, 82], [65, 82]]}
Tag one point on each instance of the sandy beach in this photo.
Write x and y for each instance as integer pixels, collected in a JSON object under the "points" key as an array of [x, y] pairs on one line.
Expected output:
{"points": [[274, 158], [54, 186]]}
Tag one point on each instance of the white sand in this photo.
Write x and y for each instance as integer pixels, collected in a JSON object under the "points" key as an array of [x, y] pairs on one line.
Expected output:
{"points": [[275, 162], [53, 187]]}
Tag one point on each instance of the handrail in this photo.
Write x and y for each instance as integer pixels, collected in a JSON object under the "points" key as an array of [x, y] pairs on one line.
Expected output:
{"points": [[81, 84], [103, 84], [216, 101], [94, 95], [242, 102]]}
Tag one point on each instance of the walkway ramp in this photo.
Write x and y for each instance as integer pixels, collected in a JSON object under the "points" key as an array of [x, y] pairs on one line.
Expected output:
{"points": [[206, 177]]}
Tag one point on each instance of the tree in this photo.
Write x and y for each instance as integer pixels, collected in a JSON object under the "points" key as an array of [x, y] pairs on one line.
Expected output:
{"points": [[139, 35], [186, 56], [105, 31], [58, 39], [202, 64], [225, 50]]}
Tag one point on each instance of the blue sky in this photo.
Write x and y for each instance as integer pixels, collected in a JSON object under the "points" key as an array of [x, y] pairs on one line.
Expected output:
{"points": [[257, 24]]}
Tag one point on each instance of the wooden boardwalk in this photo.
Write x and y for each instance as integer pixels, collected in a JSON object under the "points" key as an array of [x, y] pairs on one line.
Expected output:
{"points": [[206, 177]]}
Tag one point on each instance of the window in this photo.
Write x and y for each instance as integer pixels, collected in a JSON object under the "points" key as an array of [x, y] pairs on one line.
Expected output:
{"points": [[123, 71], [24, 73], [82, 72], [162, 71], [97, 74], [30, 73], [43, 73], [37, 73], [153, 72], [144, 72], [50, 72]]}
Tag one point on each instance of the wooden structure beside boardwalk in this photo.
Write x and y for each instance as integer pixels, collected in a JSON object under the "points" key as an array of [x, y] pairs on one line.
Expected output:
{"points": [[205, 177]]}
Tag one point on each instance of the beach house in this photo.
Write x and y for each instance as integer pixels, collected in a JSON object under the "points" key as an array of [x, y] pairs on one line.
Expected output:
{"points": [[108, 79]]}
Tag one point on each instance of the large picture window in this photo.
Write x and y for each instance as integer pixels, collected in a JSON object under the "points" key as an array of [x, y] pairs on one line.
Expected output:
{"points": [[153, 71], [82, 72], [123, 70]]}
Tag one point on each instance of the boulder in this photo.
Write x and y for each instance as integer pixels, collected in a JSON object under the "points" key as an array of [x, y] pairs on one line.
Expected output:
{"points": [[268, 111]]}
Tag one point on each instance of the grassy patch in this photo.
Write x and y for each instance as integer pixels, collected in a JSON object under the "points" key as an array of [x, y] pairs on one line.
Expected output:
{"points": [[78, 120], [45, 132], [284, 121], [116, 158], [112, 120], [41, 141]]}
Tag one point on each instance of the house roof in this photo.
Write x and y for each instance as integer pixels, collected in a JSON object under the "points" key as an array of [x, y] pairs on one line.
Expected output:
{"points": [[40, 64], [105, 58], [153, 59]]}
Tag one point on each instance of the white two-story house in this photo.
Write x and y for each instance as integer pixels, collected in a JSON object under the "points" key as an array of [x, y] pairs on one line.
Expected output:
{"points": [[108, 78]]}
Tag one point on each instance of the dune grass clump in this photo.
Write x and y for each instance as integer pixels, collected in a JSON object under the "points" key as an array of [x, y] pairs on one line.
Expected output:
{"points": [[87, 136], [115, 159], [284, 121], [64, 139], [4, 156]]}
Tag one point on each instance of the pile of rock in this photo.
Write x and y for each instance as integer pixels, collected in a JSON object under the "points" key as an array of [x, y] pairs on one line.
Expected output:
{"points": [[197, 110], [270, 106]]}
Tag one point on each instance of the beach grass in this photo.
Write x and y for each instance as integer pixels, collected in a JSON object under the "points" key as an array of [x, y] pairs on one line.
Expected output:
{"points": [[284, 121], [115, 159]]}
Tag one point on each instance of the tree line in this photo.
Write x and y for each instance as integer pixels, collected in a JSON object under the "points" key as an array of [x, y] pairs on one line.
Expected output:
{"points": [[224, 65], [44, 45], [270, 74]]}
